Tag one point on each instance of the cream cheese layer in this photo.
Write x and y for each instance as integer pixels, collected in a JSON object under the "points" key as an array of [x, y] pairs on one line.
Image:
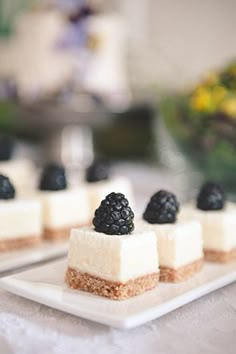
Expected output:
{"points": [[20, 218], [178, 244], [64, 208], [218, 226], [115, 258]]}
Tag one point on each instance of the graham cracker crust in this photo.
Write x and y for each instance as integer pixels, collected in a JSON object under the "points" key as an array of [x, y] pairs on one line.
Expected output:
{"points": [[112, 290], [183, 273], [19, 243], [219, 256], [59, 234]]}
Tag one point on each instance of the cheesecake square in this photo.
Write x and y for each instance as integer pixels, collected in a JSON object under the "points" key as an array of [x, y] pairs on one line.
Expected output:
{"points": [[114, 266], [218, 230], [62, 211], [179, 246], [20, 224]]}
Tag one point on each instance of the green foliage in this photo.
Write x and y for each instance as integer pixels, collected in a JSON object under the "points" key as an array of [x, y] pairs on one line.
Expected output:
{"points": [[207, 140], [7, 117]]}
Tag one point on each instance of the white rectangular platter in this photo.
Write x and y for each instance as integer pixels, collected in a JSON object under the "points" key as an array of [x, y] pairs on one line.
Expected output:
{"points": [[45, 284], [44, 251]]}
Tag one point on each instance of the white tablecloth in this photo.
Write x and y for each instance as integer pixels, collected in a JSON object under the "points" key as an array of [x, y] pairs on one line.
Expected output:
{"points": [[207, 325]]}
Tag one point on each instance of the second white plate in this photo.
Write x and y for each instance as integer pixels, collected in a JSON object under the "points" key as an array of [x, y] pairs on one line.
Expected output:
{"points": [[42, 252], [45, 284]]}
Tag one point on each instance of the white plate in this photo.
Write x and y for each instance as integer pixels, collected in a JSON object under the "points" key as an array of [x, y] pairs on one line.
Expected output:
{"points": [[44, 251], [45, 285]]}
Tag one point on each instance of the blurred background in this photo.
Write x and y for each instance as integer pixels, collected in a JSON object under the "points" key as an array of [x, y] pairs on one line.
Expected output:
{"points": [[149, 85]]}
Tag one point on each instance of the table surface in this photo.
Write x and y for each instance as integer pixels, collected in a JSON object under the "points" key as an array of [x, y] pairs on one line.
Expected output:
{"points": [[207, 325]]}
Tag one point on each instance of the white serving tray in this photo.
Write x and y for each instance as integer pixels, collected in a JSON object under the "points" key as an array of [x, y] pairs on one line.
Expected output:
{"points": [[44, 251], [45, 284]]}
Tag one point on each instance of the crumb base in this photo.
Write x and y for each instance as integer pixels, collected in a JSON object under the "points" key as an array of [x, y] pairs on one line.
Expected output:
{"points": [[60, 234], [19, 243], [111, 289], [219, 256], [183, 273]]}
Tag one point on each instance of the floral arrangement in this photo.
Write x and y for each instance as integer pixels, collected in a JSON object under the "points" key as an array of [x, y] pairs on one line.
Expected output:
{"points": [[203, 123], [216, 93]]}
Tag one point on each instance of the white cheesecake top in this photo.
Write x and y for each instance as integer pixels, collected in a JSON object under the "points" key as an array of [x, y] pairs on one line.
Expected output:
{"points": [[110, 257], [20, 218], [178, 244], [218, 226]]}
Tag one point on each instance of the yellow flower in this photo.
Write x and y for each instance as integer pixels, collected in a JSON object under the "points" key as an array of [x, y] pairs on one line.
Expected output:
{"points": [[229, 106], [205, 99], [201, 100]]}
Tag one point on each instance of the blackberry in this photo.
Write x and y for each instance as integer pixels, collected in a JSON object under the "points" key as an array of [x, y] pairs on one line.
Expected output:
{"points": [[7, 191], [211, 197], [53, 178], [114, 215], [162, 208], [98, 171]]}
